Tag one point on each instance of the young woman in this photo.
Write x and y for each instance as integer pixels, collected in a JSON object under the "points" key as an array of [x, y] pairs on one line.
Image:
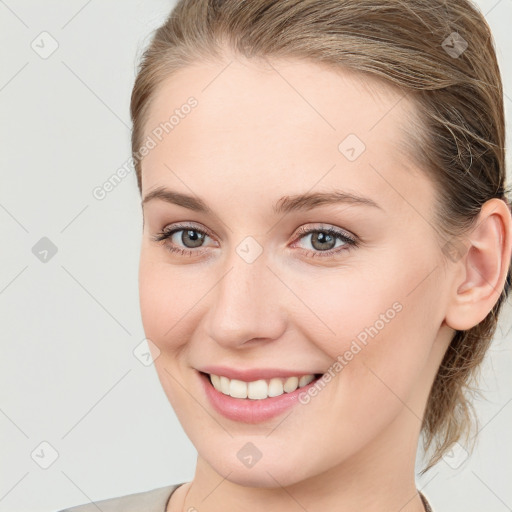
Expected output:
{"points": [[326, 244]]}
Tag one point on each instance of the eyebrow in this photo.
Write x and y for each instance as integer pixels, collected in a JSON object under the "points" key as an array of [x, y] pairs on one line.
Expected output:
{"points": [[285, 204]]}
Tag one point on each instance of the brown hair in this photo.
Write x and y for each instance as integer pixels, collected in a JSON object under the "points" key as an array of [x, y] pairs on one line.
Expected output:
{"points": [[410, 44]]}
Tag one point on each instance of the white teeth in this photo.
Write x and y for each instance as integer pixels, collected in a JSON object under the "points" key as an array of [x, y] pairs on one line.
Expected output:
{"points": [[259, 389], [224, 385], [305, 380], [275, 387], [291, 384], [238, 388], [215, 381]]}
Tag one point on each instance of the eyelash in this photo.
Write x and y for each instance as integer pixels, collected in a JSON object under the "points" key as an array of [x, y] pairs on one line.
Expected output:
{"points": [[349, 241]]}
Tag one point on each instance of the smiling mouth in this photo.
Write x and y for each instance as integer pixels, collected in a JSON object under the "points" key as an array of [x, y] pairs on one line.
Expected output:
{"points": [[262, 388]]}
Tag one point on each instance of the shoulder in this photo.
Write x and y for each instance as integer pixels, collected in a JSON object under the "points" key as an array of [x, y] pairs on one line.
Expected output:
{"points": [[154, 500]]}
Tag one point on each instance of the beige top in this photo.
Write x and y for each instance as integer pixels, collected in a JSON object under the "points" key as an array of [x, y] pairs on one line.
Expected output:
{"points": [[154, 500]]}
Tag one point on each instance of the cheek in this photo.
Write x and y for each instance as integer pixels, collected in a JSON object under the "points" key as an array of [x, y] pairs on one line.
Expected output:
{"points": [[347, 310], [167, 296], [166, 301], [377, 329], [153, 295]]}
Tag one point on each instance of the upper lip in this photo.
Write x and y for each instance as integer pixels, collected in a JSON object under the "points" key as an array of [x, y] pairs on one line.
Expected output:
{"points": [[252, 374]]}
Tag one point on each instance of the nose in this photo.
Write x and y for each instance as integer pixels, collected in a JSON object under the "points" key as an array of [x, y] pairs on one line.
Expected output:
{"points": [[248, 304]]}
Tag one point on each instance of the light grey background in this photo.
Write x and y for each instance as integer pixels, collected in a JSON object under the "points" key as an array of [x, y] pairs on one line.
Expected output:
{"points": [[68, 374]]}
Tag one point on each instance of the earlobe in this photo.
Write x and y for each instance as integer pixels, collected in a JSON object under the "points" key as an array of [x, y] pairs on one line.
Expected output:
{"points": [[483, 267]]}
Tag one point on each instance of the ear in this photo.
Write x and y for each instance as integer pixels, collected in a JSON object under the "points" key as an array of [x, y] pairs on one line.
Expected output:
{"points": [[482, 267]]}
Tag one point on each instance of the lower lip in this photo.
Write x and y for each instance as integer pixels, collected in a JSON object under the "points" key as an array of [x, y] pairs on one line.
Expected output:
{"points": [[248, 410]]}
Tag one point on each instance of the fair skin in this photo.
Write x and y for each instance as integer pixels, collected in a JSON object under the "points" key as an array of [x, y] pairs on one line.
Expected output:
{"points": [[256, 136]]}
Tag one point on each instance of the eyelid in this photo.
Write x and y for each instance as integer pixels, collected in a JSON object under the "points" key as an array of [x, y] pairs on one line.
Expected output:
{"points": [[303, 230], [349, 241], [326, 228], [188, 225]]}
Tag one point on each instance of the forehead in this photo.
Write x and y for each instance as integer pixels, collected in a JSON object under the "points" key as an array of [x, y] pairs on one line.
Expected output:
{"points": [[280, 125]]}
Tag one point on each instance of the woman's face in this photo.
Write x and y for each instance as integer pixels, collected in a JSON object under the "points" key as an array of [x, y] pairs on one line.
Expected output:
{"points": [[255, 291]]}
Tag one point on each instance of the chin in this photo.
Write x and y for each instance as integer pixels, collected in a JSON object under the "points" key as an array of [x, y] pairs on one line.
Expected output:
{"points": [[274, 479], [270, 471]]}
